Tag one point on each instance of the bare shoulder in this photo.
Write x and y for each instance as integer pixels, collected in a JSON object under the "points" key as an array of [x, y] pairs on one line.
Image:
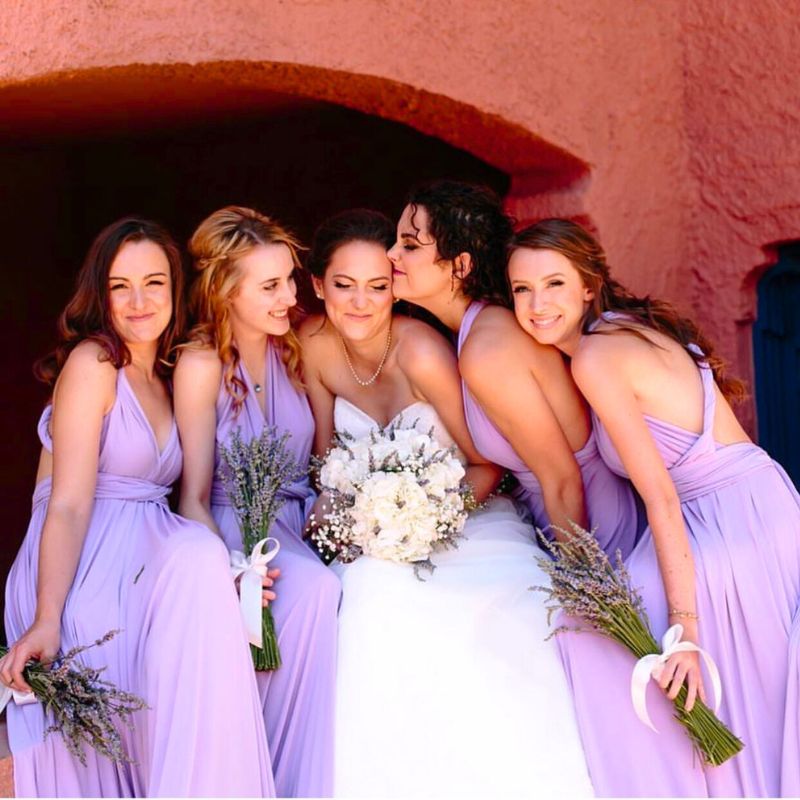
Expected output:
{"points": [[496, 343], [607, 352], [199, 362], [316, 344], [420, 345], [312, 329], [89, 362], [87, 373]]}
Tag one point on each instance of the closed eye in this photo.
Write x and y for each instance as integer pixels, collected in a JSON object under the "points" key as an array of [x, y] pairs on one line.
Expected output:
{"points": [[520, 289]]}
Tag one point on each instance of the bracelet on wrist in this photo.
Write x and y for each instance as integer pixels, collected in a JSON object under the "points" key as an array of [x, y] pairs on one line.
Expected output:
{"points": [[676, 612]]}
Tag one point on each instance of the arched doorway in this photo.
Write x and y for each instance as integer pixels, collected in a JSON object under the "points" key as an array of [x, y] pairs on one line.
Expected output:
{"points": [[174, 142], [776, 350]]}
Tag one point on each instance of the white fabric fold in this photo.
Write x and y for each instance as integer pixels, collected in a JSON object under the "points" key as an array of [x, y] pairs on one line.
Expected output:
{"points": [[20, 698], [253, 568]]}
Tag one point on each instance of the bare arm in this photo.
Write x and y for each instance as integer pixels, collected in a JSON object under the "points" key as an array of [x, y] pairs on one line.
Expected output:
{"points": [[508, 391], [320, 397], [196, 385], [604, 369], [432, 369], [84, 394]]}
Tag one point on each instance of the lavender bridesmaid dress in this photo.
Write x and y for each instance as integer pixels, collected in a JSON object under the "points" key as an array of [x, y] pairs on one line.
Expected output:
{"points": [[165, 582], [742, 515], [298, 698], [610, 501]]}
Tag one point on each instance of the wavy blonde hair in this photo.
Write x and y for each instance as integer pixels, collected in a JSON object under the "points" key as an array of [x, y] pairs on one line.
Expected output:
{"points": [[217, 246]]}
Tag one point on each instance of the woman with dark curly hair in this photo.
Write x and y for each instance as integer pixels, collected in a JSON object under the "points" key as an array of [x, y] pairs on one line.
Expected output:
{"points": [[439, 683], [104, 552], [522, 407]]}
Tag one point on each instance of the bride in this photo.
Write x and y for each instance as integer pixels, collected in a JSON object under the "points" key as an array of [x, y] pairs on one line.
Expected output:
{"points": [[445, 687]]}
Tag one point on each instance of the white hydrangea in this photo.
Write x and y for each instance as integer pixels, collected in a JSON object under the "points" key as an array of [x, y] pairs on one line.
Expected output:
{"points": [[399, 496]]}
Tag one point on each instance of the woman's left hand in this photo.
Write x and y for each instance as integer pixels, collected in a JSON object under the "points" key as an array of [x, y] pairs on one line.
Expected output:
{"points": [[680, 668], [267, 594]]}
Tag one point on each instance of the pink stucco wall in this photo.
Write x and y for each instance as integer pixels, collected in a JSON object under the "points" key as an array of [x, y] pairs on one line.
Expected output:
{"points": [[671, 126]]}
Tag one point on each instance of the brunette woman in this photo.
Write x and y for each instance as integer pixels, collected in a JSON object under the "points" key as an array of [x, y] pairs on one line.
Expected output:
{"points": [[103, 552], [521, 404], [721, 553]]}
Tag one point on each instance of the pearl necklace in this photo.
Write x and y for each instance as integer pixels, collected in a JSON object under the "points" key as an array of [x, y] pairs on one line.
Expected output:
{"points": [[377, 372]]}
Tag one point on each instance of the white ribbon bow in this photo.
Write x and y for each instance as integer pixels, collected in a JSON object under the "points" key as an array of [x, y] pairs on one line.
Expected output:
{"points": [[252, 570], [650, 667], [20, 698]]}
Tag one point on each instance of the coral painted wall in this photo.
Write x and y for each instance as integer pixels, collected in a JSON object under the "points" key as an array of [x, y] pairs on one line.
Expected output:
{"points": [[672, 127]]}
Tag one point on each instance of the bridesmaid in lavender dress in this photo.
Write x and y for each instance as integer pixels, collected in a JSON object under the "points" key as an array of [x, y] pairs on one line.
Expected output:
{"points": [[721, 555], [522, 407], [103, 551], [241, 371]]}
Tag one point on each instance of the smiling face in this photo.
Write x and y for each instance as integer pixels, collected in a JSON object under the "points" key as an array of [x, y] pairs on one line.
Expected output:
{"points": [[550, 298], [140, 292], [265, 291], [357, 289], [417, 272]]}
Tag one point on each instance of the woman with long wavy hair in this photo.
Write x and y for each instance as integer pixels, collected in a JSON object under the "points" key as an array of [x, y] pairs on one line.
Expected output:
{"points": [[104, 552], [240, 370], [721, 553]]}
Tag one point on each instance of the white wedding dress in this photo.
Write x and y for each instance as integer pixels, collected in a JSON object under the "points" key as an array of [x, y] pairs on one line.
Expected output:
{"points": [[447, 687]]}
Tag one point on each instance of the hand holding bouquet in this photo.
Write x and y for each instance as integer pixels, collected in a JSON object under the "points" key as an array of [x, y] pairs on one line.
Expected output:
{"points": [[584, 584], [253, 474], [83, 704], [395, 494]]}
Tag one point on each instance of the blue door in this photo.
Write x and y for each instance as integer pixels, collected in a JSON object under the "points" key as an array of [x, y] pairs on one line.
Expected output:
{"points": [[776, 348]]}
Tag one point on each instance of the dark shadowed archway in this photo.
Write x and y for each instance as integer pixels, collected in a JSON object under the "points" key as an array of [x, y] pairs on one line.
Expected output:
{"points": [[78, 150]]}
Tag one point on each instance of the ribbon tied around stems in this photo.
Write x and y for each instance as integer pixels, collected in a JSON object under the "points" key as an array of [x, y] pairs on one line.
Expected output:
{"points": [[650, 666], [253, 569], [20, 698]]}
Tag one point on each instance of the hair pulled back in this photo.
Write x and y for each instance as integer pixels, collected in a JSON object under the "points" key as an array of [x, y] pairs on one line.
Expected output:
{"points": [[221, 240], [87, 315], [467, 218], [588, 257], [353, 225]]}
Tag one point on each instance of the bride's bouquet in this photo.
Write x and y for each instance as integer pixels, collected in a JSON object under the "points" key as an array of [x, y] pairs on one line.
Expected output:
{"points": [[395, 494]]}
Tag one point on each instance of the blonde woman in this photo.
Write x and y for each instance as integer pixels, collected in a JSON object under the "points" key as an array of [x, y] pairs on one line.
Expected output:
{"points": [[240, 370]]}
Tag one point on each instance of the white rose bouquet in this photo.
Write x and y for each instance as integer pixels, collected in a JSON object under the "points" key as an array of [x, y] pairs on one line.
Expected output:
{"points": [[395, 494]]}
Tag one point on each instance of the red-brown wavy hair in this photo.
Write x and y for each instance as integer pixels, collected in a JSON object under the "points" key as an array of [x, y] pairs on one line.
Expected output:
{"points": [[88, 312], [588, 257], [217, 246]]}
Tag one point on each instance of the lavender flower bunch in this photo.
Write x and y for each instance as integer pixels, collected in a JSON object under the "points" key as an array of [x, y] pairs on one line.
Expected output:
{"points": [[583, 583], [253, 474], [83, 704]]}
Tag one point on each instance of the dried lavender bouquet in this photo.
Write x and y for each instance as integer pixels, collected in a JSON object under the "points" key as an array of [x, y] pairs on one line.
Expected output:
{"points": [[583, 583], [254, 474], [83, 704]]}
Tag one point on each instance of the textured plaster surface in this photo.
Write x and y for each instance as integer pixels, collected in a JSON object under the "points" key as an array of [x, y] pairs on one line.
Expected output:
{"points": [[743, 128], [521, 84], [671, 126]]}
